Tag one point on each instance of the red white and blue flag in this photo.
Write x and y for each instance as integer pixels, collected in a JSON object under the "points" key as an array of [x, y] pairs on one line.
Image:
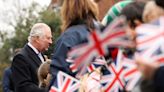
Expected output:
{"points": [[131, 74], [120, 75], [113, 36], [65, 83], [150, 40], [113, 79]]}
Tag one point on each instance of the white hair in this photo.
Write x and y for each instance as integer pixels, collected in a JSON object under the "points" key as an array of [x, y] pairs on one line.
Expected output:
{"points": [[37, 30]]}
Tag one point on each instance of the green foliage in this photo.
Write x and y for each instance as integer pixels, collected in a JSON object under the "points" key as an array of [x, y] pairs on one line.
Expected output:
{"points": [[23, 28], [3, 36], [53, 20], [5, 52]]}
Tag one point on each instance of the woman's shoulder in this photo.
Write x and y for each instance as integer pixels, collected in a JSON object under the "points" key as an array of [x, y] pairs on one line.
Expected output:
{"points": [[75, 34], [77, 28]]}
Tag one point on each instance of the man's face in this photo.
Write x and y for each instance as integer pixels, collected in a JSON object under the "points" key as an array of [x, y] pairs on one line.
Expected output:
{"points": [[45, 41]]}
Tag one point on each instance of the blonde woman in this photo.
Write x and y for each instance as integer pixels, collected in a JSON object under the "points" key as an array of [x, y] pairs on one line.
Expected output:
{"points": [[78, 20]]}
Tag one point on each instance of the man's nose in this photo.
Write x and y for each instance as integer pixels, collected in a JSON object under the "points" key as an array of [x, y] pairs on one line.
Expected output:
{"points": [[50, 41]]}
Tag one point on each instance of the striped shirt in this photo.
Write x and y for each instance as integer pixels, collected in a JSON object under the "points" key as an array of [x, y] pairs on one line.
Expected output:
{"points": [[114, 11]]}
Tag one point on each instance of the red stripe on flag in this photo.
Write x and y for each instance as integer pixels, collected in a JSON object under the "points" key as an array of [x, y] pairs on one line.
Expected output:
{"points": [[114, 53], [161, 60], [98, 43], [52, 90], [81, 58], [115, 79], [91, 68], [152, 38], [66, 85], [131, 72], [114, 35]]}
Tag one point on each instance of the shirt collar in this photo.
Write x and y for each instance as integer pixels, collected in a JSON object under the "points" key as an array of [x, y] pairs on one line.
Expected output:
{"points": [[35, 50]]}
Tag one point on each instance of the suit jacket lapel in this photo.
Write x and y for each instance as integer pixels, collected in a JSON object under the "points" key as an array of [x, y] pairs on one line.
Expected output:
{"points": [[43, 57], [33, 55]]}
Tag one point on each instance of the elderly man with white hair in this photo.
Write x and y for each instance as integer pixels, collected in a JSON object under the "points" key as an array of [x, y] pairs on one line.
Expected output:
{"points": [[26, 63]]}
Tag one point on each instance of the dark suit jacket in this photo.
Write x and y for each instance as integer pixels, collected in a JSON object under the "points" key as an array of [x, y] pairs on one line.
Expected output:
{"points": [[24, 71]]}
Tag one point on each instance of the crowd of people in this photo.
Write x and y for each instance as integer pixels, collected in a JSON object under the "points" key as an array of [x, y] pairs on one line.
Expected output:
{"points": [[31, 71]]}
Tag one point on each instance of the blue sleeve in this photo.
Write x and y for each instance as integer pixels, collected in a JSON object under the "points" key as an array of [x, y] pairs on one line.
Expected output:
{"points": [[6, 80], [63, 45], [159, 79], [71, 37]]}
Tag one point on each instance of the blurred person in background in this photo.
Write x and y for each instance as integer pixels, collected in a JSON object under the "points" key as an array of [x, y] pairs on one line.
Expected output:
{"points": [[76, 26], [7, 81], [133, 13], [153, 71]]}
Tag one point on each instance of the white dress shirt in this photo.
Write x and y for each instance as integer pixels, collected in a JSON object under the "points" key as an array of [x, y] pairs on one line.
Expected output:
{"points": [[36, 51]]}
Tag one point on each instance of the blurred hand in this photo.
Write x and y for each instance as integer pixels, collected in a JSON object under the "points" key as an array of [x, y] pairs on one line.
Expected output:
{"points": [[147, 68], [91, 82]]}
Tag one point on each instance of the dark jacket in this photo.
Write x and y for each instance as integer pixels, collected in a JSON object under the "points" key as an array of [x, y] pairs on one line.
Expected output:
{"points": [[7, 81], [24, 71], [73, 36], [158, 81]]}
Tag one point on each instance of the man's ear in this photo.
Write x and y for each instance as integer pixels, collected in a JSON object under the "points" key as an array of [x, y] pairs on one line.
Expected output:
{"points": [[37, 39]]}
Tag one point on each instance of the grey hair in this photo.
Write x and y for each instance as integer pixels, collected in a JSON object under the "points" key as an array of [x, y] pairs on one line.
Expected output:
{"points": [[37, 31]]}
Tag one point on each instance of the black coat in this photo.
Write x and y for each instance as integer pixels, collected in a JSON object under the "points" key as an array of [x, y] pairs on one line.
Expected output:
{"points": [[24, 71], [159, 80]]}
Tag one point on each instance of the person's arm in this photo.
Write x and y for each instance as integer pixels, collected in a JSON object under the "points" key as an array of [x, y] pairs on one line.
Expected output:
{"points": [[72, 37], [6, 81], [22, 76], [59, 60], [59, 57]]}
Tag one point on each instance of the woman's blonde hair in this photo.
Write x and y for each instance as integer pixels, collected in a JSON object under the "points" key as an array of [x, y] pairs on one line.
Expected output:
{"points": [[75, 11]]}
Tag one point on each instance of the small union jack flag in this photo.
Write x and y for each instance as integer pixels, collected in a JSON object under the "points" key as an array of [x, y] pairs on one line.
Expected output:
{"points": [[131, 73], [121, 74], [150, 40], [113, 77], [65, 83], [113, 36]]}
